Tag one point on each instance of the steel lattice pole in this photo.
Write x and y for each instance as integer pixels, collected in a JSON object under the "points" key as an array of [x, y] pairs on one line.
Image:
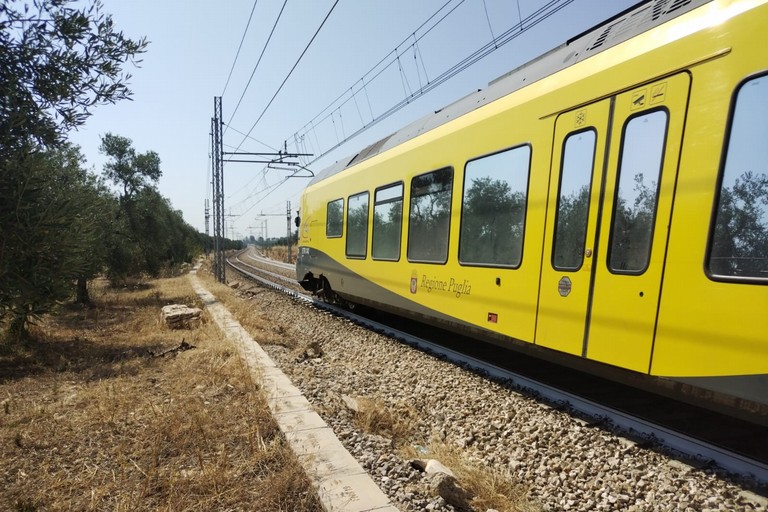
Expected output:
{"points": [[218, 190]]}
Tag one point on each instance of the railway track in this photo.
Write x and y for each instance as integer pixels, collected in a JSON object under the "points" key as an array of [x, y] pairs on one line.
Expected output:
{"points": [[693, 449]]}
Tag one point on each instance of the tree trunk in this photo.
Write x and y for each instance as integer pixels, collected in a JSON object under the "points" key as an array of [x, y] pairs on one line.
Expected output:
{"points": [[82, 291], [17, 328]]}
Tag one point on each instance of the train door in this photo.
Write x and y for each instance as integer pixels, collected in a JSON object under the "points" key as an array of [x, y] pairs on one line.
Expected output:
{"points": [[572, 206], [640, 186], [625, 218]]}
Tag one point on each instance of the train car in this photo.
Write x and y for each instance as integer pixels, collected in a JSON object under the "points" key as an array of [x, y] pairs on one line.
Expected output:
{"points": [[604, 206]]}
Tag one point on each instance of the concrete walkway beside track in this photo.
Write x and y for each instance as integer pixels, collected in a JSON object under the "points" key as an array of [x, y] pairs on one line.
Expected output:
{"points": [[341, 483]]}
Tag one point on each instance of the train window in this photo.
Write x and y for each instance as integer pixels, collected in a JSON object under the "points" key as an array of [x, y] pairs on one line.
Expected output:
{"points": [[387, 222], [493, 208], [739, 241], [334, 219], [573, 200], [430, 216], [357, 225], [637, 191]]}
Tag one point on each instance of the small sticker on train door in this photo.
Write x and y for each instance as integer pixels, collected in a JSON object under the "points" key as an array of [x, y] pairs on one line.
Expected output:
{"points": [[564, 286], [581, 118], [658, 93], [639, 99]]}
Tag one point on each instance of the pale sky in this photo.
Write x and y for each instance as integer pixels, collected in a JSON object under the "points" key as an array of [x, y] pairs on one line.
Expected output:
{"points": [[193, 46]]}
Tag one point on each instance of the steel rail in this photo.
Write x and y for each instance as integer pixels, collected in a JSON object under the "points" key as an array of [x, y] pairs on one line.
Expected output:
{"points": [[689, 447], [258, 257], [267, 272]]}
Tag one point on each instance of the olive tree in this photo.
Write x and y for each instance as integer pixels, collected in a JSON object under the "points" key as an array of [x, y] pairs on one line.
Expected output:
{"points": [[58, 60]]}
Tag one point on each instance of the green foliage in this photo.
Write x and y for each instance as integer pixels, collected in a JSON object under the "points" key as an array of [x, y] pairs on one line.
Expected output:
{"points": [[148, 235], [571, 229], [387, 225], [50, 233], [56, 63], [357, 225], [430, 210], [632, 228], [127, 169], [492, 223], [740, 242]]}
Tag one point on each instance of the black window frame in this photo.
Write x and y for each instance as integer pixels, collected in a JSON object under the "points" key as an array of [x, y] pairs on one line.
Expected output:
{"points": [[719, 188], [400, 227], [364, 255], [592, 129], [611, 226], [525, 211], [328, 218], [410, 223]]}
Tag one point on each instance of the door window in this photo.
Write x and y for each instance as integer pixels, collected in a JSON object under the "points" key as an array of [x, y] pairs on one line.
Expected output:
{"points": [[637, 192], [573, 200]]}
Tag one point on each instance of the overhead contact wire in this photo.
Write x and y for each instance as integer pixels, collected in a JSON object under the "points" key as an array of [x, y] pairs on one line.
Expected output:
{"points": [[266, 44], [534, 19], [293, 68], [240, 47]]}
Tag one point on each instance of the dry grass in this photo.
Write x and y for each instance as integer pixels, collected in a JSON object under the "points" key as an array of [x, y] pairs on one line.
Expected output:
{"points": [[279, 252], [395, 422], [91, 421], [254, 319], [491, 487]]}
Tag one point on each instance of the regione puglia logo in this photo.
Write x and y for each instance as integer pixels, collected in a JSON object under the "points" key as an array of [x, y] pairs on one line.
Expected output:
{"points": [[414, 283]]}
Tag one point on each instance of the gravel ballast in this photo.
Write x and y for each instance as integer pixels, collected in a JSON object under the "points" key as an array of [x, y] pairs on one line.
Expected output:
{"points": [[564, 462]]}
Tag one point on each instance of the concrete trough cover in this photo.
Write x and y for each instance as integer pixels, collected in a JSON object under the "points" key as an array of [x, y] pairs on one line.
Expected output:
{"points": [[341, 483]]}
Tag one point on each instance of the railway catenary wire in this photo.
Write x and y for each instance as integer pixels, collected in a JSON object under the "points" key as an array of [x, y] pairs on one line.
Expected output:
{"points": [[703, 452]]}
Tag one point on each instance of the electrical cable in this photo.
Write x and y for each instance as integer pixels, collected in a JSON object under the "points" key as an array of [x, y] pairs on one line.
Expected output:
{"points": [[248, 137], [280, 14], [530, 21], [292, 69], [240, 47], [534, 19], [363, 81]]}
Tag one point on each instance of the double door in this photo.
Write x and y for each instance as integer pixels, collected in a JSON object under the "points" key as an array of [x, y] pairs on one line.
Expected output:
{"points": [[611, 191]]}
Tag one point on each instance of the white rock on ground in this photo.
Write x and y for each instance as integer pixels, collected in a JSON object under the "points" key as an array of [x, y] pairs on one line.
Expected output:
{"points": [[180, 316]]}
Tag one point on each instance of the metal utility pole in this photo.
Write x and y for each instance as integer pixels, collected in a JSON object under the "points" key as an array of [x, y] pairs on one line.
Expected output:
{"points": [[207, 225], [288, 235], [207, 217], [218, 190]]}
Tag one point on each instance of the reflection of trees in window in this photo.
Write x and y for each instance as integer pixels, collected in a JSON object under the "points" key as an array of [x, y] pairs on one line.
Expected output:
{"points": [[357, 225], [740, 239], [633, 227], [573, 200], [492, 223], [429, 217], [571, 230], [334, 218], [493, 213], [637, 192], [387, 221], [740, 242]]}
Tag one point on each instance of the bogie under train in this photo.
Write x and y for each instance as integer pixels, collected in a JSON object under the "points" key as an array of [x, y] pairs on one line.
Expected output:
{"points": [[605, 205]]}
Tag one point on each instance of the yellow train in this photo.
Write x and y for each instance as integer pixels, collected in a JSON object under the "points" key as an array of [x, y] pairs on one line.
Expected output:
{"points": [[605, 205]]}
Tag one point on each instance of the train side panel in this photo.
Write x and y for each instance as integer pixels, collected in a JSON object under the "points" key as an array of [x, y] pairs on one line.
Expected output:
{"points": [[714, 321]]}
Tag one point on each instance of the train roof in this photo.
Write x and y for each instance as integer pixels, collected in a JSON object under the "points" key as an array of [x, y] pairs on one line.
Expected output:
{"points": [[621, 27]]}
